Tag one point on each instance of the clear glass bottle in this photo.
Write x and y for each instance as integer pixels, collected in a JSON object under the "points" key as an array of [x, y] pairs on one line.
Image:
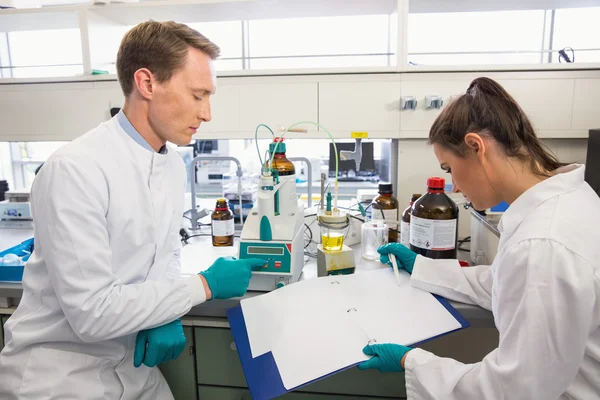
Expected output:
{"points": [[222, 225], [434, 222], [385, 207], [405, 221]]}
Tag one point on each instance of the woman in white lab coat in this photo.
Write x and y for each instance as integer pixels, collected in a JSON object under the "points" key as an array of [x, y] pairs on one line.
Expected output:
{"points": [[544, 284]]}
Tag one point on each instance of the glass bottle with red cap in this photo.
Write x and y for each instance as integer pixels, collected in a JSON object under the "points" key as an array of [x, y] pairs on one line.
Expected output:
{"points": [[222, 225], [434, 222]]}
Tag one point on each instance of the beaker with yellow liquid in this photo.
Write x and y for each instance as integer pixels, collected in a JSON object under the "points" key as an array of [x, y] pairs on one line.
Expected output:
{"points": [[333, 230]]}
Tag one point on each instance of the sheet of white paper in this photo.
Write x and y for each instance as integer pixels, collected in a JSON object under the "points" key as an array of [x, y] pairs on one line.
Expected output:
{"points": [[332, 341], [267, 316], [199, 257], [397, 314]]}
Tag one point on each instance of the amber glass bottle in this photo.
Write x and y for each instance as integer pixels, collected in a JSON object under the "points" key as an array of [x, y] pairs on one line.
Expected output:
{"points": [[222, 224], [385, 207], [405, 221], [280, 161], [434, 222]]}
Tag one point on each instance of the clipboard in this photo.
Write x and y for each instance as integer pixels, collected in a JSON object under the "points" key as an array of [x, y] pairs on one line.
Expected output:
{"points": [[262, 374]]}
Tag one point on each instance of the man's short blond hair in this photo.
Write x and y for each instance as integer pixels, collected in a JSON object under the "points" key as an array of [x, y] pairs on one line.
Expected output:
{"points": [[162, 47]]}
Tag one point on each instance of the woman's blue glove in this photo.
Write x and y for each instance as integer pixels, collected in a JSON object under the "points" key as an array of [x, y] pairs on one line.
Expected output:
{"points": [[386, 357], [405, 257], [228, 277], [158, 345]]}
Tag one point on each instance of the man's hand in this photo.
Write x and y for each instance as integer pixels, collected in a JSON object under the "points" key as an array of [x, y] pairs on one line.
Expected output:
{"points": [[158, 345], [228, 277], [386, 357]]}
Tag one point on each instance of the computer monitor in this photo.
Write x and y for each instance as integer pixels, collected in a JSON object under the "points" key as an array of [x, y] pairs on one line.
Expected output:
{"points": [[367, 163], [592, 163]]}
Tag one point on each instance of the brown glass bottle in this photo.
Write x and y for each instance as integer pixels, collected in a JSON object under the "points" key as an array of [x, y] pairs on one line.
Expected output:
{"points": [[222, 226], [405, 221], [385, 207], [434, 222], [280, 161]]}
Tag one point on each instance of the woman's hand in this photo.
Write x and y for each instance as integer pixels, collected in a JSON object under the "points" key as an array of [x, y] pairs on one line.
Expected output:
{"points": [[386, 357]]}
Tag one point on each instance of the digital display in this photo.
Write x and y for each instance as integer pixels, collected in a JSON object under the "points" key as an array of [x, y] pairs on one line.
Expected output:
{"points": [[275, 251]]}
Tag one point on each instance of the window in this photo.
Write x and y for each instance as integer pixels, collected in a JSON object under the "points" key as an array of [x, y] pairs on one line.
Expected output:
{"points": [[348, 41], [498, 37], [228, 36], [574, 28], [26, 158], [37, 54]]}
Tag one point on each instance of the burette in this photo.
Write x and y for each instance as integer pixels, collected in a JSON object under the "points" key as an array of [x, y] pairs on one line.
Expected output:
{"points": [[264, 166]]}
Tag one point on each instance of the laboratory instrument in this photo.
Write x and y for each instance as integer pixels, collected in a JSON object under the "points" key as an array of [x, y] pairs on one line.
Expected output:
{"points": [[374, 235], [434, 222], [274, 229], [385, 208], [352, 169], [15, 211], [333, 256], [405, 221], [222, 227]]}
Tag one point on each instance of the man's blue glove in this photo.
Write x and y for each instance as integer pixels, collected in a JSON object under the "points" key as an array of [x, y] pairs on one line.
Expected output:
{"points": [[386, 357], [228, 277], [158, 345], [405, 257]]}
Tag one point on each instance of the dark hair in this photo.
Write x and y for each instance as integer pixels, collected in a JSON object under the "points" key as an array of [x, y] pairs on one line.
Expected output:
{"points": [[162, 47], [486, 108]]}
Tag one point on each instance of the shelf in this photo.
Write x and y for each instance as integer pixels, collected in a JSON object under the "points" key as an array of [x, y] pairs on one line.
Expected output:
{"points": [[187, 11], [36, 19], [238, 10]]}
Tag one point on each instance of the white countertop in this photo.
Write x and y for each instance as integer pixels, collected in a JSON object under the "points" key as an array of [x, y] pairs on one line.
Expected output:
{"points": [[192, 265]]}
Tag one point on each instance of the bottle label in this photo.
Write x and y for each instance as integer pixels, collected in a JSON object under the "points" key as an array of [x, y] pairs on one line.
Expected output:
{"points": [[431, 234], [223, 228], [405, 233], [390, 217]]}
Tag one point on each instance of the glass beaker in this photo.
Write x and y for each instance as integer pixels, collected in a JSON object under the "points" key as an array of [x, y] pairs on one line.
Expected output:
{"points": [[374, 235], [333, 229]]}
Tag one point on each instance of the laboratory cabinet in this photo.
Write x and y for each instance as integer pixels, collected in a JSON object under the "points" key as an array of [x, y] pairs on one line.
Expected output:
{"points": [[181, 373], [209, 368], [371, 106]]}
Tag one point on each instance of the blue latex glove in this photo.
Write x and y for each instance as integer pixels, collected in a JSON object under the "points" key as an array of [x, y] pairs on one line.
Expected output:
{"points": [[386, 357], [158, 345], [405, 257], [228, 277]]}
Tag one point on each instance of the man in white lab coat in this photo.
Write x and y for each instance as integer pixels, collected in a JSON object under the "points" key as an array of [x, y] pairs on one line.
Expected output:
{"points": [[103, 285]]}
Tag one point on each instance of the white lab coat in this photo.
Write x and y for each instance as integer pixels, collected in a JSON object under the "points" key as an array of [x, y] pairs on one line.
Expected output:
{"points": [[544, 291], [107, 213]]}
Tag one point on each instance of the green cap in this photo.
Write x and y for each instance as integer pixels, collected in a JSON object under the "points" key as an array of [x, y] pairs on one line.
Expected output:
{"points": [[280, 147]]}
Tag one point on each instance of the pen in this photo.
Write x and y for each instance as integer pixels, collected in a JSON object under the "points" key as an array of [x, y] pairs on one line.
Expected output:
{"points": [[395, 267]]}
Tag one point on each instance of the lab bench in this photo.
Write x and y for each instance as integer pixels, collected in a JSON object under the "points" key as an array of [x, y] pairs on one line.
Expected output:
{"points": [[209, 367]]}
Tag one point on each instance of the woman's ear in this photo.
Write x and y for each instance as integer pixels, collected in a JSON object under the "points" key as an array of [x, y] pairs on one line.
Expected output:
{"points": [[476, 143]]}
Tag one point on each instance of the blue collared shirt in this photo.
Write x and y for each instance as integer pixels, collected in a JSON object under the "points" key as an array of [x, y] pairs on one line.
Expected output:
{"points": [[134, 134]]}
